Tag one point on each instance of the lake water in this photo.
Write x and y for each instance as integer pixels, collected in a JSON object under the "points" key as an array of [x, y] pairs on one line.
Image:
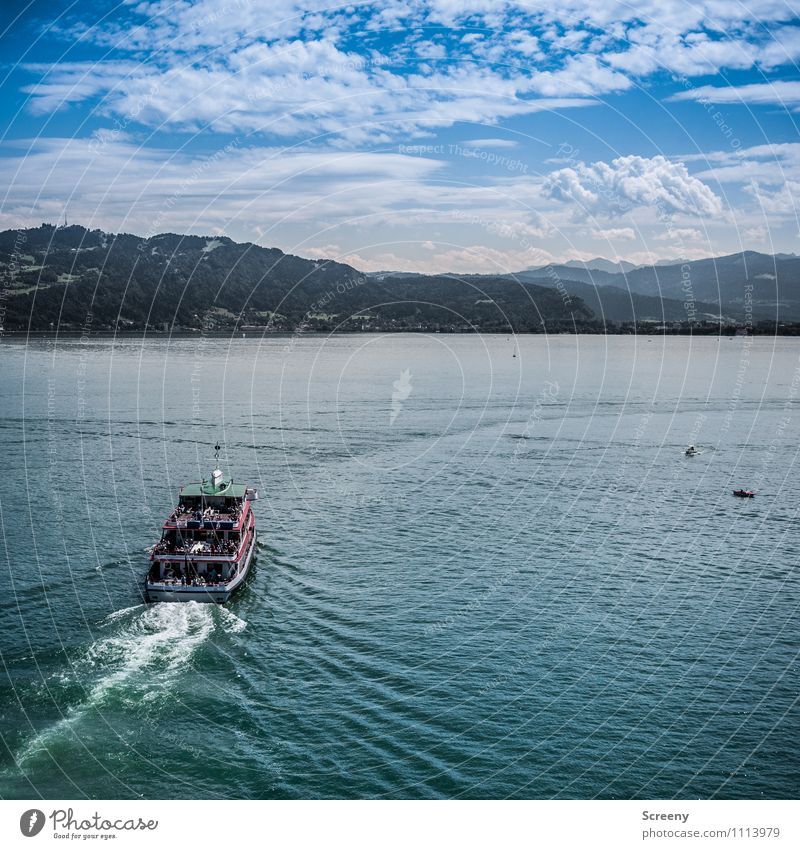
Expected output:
{"points": [[478, 575]]}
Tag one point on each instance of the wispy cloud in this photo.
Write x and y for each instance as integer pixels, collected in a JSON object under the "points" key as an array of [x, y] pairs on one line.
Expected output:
{"points": [[490, 143], [783, 93]]}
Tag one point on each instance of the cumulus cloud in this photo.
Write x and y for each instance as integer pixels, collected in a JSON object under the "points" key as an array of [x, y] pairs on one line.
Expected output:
{"points": [[628, 182]]}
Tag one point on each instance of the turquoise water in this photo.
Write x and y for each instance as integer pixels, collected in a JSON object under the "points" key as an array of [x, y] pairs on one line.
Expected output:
{"points": [[506, 582]]}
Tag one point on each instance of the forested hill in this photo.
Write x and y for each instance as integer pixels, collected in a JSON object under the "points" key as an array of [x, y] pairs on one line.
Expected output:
{"points": [[71, 278]]}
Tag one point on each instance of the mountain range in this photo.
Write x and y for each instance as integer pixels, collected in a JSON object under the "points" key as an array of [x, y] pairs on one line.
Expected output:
{"points": [[741, 286], [72, 278], [596, 264]]}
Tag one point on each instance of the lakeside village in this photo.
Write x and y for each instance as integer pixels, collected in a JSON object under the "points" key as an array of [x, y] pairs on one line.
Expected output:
{"points": [[375, 324]]}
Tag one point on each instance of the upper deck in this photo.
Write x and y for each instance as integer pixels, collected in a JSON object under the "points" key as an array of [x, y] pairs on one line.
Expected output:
{"points": [[208, 518], [216, 504]]}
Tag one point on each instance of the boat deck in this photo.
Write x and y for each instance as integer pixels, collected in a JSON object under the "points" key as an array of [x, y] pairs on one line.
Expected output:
{"points": [[177, 584], [221, 550], [209, 519]]}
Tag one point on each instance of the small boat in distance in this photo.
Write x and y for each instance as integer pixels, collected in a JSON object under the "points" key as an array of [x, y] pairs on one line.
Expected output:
{"points": [[207, 544], [691, 451], [744, 493]]}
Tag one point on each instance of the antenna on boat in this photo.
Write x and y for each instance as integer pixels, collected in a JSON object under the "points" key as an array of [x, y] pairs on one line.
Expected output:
{"points": [[216, 475]]}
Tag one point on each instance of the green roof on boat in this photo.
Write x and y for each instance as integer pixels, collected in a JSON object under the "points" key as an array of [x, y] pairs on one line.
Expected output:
{"points": [[227, 489]]}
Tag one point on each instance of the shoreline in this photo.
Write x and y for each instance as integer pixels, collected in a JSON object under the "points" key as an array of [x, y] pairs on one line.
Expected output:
{"points": [[729, 331]]}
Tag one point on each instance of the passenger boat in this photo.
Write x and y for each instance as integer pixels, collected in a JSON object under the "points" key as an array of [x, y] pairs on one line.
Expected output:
{"points": [[744, 493], [207, 544]]}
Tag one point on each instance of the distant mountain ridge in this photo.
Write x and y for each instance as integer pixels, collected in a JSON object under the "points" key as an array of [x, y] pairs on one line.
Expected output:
{"points": [[596, 264], [763, 286], [748, 286]]}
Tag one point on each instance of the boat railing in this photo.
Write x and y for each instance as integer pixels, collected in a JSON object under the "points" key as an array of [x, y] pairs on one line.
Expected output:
{"points": [[176, 582], [229, 549], [188, 517], [182, 580]]}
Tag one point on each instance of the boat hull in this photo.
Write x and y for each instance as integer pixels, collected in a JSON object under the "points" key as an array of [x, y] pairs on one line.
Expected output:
{"points": [[216, 594]]}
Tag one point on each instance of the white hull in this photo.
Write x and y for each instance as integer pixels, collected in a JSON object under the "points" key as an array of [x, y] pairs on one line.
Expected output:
{"points": [[217, 593]]}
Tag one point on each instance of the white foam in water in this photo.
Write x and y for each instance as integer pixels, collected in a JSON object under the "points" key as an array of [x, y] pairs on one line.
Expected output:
{"points": [[163, 635], [231, 623], [118, 614], [159, 639]]}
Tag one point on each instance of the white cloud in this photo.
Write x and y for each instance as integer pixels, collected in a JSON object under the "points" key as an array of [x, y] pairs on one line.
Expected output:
{"points": [[295, 89], [782, 201], [283, 69], [756, 234], [581, 76], [148, 190], [469, 259], [767, 163], [490, 143], [782, 92], [674, 254], [632, 181], [613, 234], [481, 259], [685, 54], [74, 82], [680, 234], [768, 173], [301, 198]]}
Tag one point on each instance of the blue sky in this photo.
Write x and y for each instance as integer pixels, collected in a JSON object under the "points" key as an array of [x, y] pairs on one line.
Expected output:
{"points": [[439, 135]]}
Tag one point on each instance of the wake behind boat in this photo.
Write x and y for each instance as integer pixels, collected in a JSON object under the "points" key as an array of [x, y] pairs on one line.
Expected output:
{"points": [[207, 543]]}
